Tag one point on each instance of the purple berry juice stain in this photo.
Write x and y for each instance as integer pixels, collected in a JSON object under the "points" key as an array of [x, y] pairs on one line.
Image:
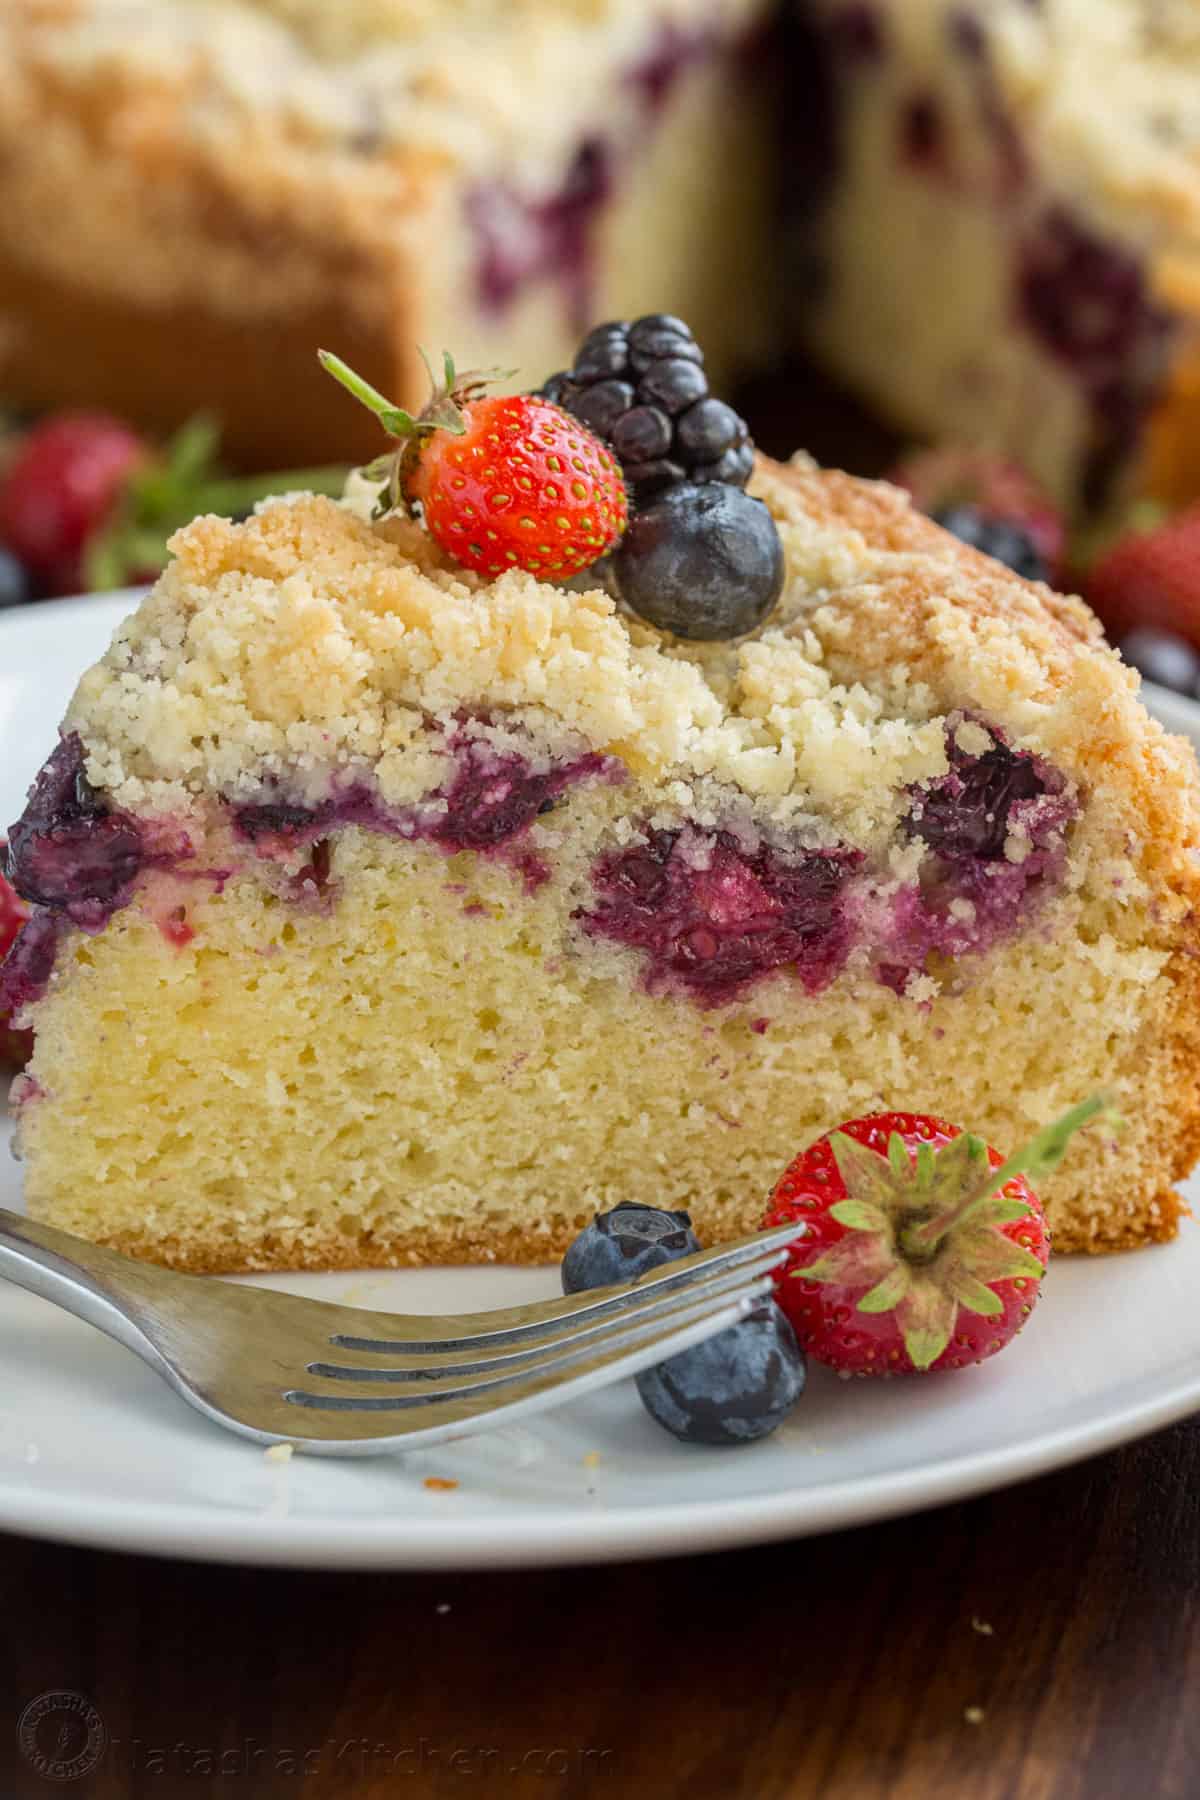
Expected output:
{"points": [[710, 918]]}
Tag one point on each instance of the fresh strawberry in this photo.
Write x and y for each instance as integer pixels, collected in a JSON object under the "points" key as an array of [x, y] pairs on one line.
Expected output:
{"points": [[501, 481], [924, 1248], [944, 480], [60, 489], [14, 1045], [84, 503], [1151, 578]]}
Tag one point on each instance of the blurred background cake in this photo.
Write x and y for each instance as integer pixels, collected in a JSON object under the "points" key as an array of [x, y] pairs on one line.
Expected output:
{"points": [[998, 224], [195, 193], [981, 220]]}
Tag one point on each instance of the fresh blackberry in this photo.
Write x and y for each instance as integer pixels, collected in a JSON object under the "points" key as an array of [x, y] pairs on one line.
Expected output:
{"points": [[642, 388], [1003, 539]]}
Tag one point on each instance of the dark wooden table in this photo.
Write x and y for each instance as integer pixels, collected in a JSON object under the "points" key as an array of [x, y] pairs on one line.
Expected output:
{"points": [[1038, 1644]]}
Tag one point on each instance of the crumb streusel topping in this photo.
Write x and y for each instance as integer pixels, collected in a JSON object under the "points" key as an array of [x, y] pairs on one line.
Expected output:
{"points": [[308, 642]]}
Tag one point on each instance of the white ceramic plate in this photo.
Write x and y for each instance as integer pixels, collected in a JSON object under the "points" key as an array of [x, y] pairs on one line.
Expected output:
{"points": [[96, 1450]]}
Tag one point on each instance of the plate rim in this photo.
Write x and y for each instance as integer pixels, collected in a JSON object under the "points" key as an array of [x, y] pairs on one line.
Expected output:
{"points": [[564, 1537]]}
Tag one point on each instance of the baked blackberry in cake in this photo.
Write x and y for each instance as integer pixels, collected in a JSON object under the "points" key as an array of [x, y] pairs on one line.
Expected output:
{"points": [[994, 209], [386, 912], [248, 178]]}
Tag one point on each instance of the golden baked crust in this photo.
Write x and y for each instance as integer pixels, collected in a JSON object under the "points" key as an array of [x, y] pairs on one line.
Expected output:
{"points": [[442, 1065]]}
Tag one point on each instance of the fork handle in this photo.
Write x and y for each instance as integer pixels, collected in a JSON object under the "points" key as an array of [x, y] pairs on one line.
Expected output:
{"points": [[81, 1277]]}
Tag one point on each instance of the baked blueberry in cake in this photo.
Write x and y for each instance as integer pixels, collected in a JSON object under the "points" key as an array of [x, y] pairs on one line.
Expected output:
{"points": [[396, 901], [994, 210]]}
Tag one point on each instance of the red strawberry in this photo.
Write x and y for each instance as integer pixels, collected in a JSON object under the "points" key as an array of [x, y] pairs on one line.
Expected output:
{"points": [[502, 481], [60, 489], [942, 479], [14, 1045], [86, 504], [1151, 578], [924, 1249]]}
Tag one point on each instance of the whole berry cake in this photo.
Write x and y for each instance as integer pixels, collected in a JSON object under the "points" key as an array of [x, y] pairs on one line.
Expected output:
{"points": [[253, 177], [387, 909], [993, 213]]}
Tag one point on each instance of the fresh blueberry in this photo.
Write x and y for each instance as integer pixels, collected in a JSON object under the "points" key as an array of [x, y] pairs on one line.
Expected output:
{"points": [[673, 383], [1003, 539], [701, 561], [1162, 657], [732, 1388], [15, 587], [625, 1242]]}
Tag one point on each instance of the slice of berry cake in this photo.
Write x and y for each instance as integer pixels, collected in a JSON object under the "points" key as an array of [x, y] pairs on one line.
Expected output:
{"points": [[388, 912]]}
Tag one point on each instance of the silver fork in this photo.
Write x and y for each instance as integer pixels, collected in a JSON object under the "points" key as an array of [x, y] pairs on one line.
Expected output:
{"points": [[343, 1381]]}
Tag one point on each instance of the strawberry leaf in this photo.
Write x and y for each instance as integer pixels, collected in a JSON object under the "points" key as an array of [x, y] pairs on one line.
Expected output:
{"points": [[888, 1293], [380, 468], [859, 1215], [1001, 1210], [859, 1261], [867, 1175], [964, 1181], [974, 1295], [444, 414], [925, 1344], [899, 1159], [955, 1169], [926, 1318], [987, 1254]]}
